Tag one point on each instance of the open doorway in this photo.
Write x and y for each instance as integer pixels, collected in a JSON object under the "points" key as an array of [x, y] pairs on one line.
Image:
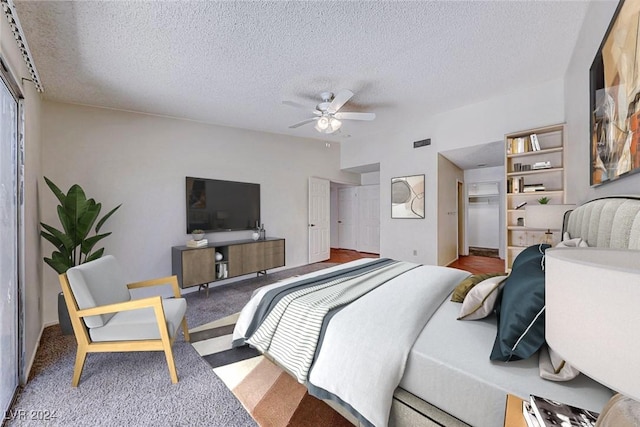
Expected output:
{"points": [[480, 164], [355, 218], [344, 216]]}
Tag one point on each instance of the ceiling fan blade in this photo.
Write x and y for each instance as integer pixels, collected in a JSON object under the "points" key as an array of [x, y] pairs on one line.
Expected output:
{"points": [[296, 105], [339, 100], [355, 116], [304, 122]]}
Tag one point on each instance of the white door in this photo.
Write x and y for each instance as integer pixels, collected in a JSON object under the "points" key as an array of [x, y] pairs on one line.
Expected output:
{"points": [[319, 220], [369, 219], [347, 217]]}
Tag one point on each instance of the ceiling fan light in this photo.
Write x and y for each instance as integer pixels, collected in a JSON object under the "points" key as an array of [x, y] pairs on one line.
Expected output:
{"points": [[322, 124], [334, 124]]}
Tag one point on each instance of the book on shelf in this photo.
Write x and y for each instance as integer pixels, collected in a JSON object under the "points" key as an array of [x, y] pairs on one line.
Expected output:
{"points": [[520, 145], [197, 243], [529, 414], [515, 185], [521, 204], [535, 144], [551, 413], [530, 188], [541, 165]]}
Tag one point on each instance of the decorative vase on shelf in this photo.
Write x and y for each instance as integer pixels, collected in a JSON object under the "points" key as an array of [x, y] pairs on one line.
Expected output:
{"points": [[255, 235], [218, 256]]}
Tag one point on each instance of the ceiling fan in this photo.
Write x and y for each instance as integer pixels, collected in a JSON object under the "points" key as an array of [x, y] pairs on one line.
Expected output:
{"points": [[328, 117]]}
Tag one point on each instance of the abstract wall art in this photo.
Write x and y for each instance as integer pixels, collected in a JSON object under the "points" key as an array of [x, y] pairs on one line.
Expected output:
{"points": [[407, 197], [615, 98]]}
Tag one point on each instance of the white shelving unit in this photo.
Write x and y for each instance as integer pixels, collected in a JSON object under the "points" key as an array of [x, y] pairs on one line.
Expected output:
{"points": [[520, 157]]}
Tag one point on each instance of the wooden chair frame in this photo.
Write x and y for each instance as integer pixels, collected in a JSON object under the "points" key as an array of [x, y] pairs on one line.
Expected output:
{"points": [[86, 345]]}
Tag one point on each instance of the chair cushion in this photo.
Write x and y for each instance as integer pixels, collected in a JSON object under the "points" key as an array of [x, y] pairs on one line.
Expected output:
{"points": [[141, 324], [98, 283]]}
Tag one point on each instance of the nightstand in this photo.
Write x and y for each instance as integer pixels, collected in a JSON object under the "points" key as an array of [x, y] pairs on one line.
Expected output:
{"points": [[513, 412]]}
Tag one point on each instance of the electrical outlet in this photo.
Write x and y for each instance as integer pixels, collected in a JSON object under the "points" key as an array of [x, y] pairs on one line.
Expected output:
{"points": [[415, 252]]}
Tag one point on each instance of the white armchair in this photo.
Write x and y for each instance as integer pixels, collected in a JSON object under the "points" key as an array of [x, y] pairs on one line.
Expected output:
{"points": [[106, 319]]}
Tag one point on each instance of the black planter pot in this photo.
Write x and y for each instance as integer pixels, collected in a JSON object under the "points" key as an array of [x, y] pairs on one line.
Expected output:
{"points": [[63, 316]]}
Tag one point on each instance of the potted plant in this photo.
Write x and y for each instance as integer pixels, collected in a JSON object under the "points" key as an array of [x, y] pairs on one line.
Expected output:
{"points": [[75, 243], [544, 200], [197, 234]]}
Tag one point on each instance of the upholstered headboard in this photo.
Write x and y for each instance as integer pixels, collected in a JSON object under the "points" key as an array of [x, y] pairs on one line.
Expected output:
{"points": [[610, 222]]}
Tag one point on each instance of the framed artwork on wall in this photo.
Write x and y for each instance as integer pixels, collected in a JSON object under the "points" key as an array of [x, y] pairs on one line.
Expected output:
{"points": [[615, 98], [407, 197]]}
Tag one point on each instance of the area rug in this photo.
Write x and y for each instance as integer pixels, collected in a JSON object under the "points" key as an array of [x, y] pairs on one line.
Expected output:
{"points": [[270, 395]]}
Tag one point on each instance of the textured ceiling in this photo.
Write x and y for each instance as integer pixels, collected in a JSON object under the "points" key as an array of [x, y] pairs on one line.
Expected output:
{"points": [[477, 156], [233, 63]]}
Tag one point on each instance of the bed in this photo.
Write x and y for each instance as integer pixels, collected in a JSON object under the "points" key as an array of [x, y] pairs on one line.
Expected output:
{"points": [[395, 354]]}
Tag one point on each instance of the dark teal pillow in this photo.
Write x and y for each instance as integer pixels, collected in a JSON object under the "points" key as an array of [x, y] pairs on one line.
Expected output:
{"points": [[532, 252], [520, 310]]}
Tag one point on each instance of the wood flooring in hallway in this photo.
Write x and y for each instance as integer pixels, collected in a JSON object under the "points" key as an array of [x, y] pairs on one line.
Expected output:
{"points": [[345, 255], [473, 264], [478, 264]]}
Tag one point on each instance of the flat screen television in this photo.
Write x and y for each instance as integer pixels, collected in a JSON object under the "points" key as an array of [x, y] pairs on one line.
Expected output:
{"points": [[217, 205]]}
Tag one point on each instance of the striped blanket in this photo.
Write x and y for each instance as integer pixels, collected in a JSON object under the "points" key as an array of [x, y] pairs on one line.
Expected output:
{"points": [[346, 332], [291, 332]]}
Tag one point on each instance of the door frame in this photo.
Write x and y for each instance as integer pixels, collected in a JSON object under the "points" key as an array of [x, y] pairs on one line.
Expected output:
{"points": [[461, 208]]}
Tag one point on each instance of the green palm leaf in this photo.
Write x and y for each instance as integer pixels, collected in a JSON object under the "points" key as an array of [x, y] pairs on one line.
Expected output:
{"points": [[59, 194], [60, 239], [85, 221], [97, 254], [89, 243], [106, 217]]}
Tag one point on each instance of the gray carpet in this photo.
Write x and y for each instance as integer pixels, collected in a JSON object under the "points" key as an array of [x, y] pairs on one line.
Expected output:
{"points": [[134, 389]]}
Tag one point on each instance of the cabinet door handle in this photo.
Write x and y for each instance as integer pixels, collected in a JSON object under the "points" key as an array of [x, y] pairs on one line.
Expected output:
{"points": [[312, 225]]}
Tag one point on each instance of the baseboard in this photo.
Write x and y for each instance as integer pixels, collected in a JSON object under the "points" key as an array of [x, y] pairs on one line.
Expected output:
{"points": [[450, 262], [32, 359]]}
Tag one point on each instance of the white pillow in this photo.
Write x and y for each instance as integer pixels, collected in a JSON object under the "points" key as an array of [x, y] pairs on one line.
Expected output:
{"points": [[555, 368], [481, 299], [573, 243]]}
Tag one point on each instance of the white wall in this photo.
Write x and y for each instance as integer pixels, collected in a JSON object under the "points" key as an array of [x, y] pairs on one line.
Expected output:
{"points": [[577, 111], [370, 178], [32, 171], [33, 295], [467, 126], [141, 161]]}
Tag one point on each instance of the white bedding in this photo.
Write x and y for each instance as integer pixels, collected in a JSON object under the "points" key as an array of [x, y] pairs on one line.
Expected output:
{"points": [[449, 367], [362, 360]]}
